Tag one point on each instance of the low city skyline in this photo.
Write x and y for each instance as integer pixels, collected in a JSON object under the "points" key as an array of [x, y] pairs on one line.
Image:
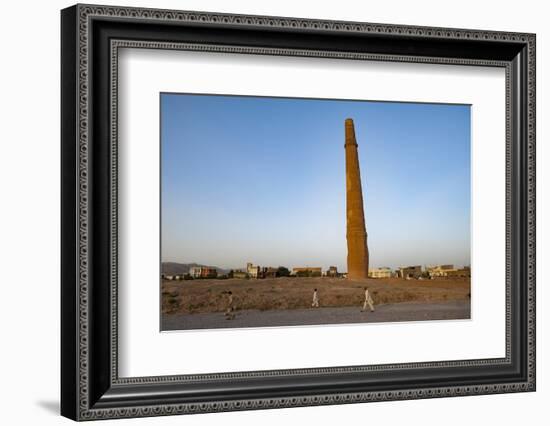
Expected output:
{"points": [[300, 265], [262, 180]]}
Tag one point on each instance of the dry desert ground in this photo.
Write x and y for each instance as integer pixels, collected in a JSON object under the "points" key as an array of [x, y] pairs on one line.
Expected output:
{"points": [[210, 295]]}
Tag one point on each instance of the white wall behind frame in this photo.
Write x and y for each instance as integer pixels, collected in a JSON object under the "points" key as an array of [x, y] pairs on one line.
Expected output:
{"points": [[144, 351]]}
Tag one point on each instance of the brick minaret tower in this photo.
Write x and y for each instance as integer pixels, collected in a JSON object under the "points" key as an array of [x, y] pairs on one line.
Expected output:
{"points": [[356, 233]]}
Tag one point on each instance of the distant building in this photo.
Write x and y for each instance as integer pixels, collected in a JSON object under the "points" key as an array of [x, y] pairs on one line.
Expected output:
{"points": [[461, 272], [383, 272], [464, 272], [203, 272], [438, 270], [195, 271], [307, 271], [208, 272], [332, 271], [409, 271], [447, 271], [240, 274], [253, 271], [269, 272]]}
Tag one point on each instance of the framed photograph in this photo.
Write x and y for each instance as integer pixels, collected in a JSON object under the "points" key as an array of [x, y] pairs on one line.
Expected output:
{"points": [[263, 212]]}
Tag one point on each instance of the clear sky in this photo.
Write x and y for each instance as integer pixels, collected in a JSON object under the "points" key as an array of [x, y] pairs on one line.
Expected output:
{"points": [[263, 180]]}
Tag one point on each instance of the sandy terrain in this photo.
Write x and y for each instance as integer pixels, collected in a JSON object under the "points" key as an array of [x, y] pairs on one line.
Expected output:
{"points": [[210, 295]]}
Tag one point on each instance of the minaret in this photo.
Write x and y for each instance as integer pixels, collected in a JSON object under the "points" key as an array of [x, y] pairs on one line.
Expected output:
{"points": [[356, 233]]}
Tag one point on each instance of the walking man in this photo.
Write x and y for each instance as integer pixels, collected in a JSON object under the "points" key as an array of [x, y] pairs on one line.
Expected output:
{"points": [[315, 303], [229, 315], [368, 301]]}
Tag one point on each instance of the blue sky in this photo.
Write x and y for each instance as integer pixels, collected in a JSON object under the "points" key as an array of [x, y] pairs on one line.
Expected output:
{"points": [[263, 180]]}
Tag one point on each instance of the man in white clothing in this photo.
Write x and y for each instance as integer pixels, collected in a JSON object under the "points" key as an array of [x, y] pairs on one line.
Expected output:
{"points": [[229, 314], [315, 303], [368, 301]]}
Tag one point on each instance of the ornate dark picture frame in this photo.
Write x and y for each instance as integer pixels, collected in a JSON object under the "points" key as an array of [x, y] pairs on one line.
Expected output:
{"points": [[90, 385]]}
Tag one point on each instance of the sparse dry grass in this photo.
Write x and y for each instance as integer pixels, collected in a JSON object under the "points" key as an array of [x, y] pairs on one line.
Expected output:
{"points": [[200, 296]]}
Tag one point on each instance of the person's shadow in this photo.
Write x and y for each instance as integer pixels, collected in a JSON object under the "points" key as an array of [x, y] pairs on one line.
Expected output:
{"points": [[50, 406]]}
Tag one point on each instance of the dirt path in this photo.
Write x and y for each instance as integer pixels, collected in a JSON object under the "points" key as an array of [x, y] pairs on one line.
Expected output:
{"points": [[408, 311]]}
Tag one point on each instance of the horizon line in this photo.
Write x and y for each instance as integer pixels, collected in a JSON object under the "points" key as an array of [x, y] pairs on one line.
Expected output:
{"points": [[317, 266]]}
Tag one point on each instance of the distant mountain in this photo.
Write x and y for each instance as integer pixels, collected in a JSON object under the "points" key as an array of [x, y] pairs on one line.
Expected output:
{"points": [[173, 268]]}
